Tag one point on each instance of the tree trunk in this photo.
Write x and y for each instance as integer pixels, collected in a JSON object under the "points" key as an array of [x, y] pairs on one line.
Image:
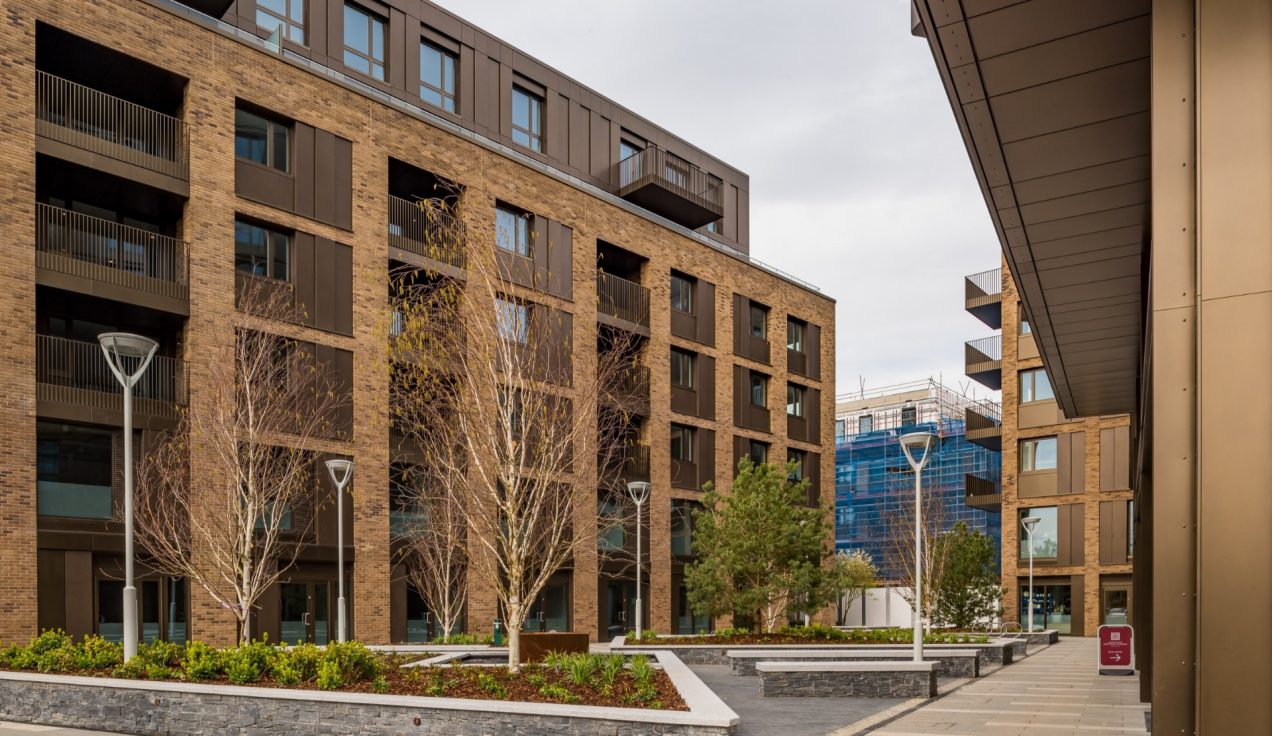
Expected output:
{"points": [[516, 617], [245, 629]]}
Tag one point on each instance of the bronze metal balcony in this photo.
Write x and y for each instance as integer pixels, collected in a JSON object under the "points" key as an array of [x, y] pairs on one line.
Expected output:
{"points": [[427, 229], [625, 301], [630, 391], [982, 494], [105, 252], [984, 361], [984, 425], [94, 121], [74, 373], [668, 185], [630, 463], [983, 297]]}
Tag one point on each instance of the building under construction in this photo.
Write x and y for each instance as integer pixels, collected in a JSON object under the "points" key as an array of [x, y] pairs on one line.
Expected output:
{"points": [[874, 485]]}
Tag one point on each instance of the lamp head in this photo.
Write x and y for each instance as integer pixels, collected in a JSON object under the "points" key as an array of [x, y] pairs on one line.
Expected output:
{"points": [[919, 443], [639, 491], [127, 354], [340, 470], [1029, 522]]}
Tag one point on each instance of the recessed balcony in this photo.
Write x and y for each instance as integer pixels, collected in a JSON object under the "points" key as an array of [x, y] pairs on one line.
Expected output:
{"points": [[73, 381], [982, 494], [630, 391], [621, 303], [429, 230], [668, 185], [983, 297], [984, 426], [627, 464], [984, 361]]}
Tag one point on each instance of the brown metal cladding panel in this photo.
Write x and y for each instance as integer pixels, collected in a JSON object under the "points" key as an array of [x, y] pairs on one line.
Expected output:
{"points": [[342, 289], [79, 593], [1063, 541], [503, 101], [812, 411], [342, 183], [740, 304], [1113, 532], [324, 177], [561, 260], [1033, 485], [812, 471], [684, 325], [796, 428], [397, 607], [706, 457], [304, 271], [743, 226], [267, 619], [1122, 450], [51, 596], [264, 185], [344, 377], [684, 400], [486, 95], [1108, 458], [557, 127], [397, 30], [580, 137], [706, 316], [599, 146], [1077, 462], [706, 387], [1077, 525], [740, 447], [304, 170], [1077, 612], [740, 401], [1064, 479], [812, 348]]}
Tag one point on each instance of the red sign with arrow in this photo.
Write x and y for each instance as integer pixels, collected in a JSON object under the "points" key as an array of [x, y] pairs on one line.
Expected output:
{"points": [[1117, 655]]}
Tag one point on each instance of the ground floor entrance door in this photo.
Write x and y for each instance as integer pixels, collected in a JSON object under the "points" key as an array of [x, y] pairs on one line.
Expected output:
{"points": [[304, 612], [620, 608], [1115, 602]]}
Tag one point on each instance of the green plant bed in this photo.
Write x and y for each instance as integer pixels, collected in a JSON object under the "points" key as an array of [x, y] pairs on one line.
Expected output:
{"points": [[586, 679], [814, 634]]}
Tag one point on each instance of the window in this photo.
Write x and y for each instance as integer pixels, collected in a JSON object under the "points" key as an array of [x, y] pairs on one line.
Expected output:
{"points": [[758, 452], [683, 443], [363, 42], [264, 141], [437, 76], [609, 517], [794, 400], [513, 320], [74, 467], [759, 389], [1025, 327], [759, 321], [682, 368], [627, 149], [1038, 454], [1046, 533], [512, 230], [1035, 386], [682, 528], [287, 16], [865, 423], [909, 416], [795, 335], [675, 170], [682, 292], [527, 119], [799, 457], [715, 226], [262, 251]]}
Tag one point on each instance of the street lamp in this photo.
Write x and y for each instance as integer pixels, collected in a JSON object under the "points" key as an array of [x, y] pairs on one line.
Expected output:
{"points": [[639, 491], [910, 444], [128, 355], [1029, 522], [341, 470]]}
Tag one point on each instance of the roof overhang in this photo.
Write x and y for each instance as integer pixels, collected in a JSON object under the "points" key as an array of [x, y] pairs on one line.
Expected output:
{"points": [[1053, 101]]}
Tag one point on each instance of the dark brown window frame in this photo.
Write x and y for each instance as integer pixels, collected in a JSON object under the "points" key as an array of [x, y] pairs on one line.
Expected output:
{"points": [[536, 112], [445, 51], [289, 22], [691, 359], [373, 18], [688, 442]]}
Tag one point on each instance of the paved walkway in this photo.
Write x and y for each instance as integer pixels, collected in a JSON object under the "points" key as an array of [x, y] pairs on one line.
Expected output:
{"points": [[1053, 692], [26, 729]]}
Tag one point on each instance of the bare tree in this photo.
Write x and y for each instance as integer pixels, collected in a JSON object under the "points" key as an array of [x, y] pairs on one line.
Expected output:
{"points": [[901, 546], [235, 528]]}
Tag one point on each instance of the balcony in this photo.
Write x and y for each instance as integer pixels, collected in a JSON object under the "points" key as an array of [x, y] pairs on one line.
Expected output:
{"points": [[630, 393], [667, 185], [73, 381], [984, 425], [983, 297], [428, 229], [982, 494], [622, 303], [984, 361], [630, 463], [100, 257], [102, 124]]}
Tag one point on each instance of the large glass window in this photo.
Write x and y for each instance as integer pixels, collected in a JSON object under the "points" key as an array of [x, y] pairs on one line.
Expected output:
{"points": [[611, 534], [513, 320], [262, 251], [437, 76], [681, 293], [759, 321], [627, 149], [74, 467], [682, 528], [286, 15], [1046, 534], [682, 368], [683, 446], [799, 457], [512, 230], [758, 452], [795, 400], [1035, 386], [364, 42], [795, 335], [1052, 607], [527, 119], [687, 622], [262, 140], [1038, 454], [865, 423], [759, 389]]}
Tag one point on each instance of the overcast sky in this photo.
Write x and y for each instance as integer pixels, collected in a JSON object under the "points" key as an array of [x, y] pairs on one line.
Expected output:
{"points": [[859, 179]]}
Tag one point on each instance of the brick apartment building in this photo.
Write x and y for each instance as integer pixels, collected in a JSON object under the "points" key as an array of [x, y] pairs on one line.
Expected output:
{"points": [[154, 152], [1071, 474]]}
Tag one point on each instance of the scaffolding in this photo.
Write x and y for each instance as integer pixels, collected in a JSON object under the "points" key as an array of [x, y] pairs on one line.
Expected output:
{"points": [[873, 479]]}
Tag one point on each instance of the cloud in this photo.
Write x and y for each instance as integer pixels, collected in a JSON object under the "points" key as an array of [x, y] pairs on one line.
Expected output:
{"points": [[859, 179]]}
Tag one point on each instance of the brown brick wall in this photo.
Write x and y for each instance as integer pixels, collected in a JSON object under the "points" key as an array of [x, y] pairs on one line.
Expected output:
{"points": [[220, 69]]}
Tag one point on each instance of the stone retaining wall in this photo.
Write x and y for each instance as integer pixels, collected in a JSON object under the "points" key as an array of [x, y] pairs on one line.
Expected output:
{"points": [[950, 665], [994, 652], [840, 679]]}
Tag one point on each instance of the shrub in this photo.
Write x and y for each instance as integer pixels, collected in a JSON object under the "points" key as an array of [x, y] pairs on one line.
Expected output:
{"points": [[436, 686], [160, 653], [160, 672], [536, 679], [352, 661], [95, 653], [557, 692], [201, 662], [48, 640], [642, 670], [458, 639], [133, 669], [296, 665], [489, 684], [329, 675], [380, 685], [733, 631], [56, 660], [245, 664], [580, 667], [611, 668]]}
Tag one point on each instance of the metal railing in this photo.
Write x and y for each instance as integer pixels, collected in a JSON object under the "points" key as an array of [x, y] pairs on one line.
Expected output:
{"points": [[426, 228], [983, 354], [630, 390], [75, 372], [618, 297], [672, 173], [981, 493], [95, 121], [628, 463], [91, 247], [982, 420], [985, 287]]}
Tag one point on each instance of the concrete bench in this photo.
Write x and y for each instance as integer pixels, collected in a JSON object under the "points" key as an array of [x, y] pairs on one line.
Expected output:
{"points": [[948, 664], [847, 679]]}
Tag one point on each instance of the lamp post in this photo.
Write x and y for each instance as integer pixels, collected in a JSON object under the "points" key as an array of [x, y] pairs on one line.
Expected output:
{"points": [[639, 491], [911, 443], [341, 470], [128, 356], [1029, 522]]}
